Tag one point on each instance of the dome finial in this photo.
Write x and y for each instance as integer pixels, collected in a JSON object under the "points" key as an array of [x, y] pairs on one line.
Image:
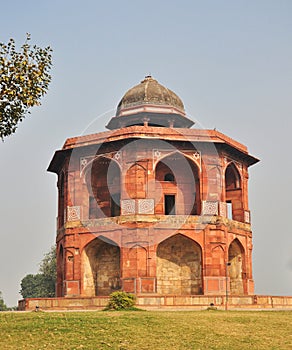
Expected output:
{"points": [[147, 78]]}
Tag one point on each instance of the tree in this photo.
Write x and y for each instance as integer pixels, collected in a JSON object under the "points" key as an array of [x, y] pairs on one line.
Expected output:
{"points": [[48, 264], [3, 307], [24, 79], [32, 286], [42, 284]]}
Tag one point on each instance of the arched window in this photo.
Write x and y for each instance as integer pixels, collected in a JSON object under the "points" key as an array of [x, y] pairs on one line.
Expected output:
{"points": [[103, 183], [178, 186], [233, 193], [169, 177], [232, 178]]}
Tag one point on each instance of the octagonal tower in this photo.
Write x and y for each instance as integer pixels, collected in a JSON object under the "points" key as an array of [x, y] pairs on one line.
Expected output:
{"points": [[153, 206]]}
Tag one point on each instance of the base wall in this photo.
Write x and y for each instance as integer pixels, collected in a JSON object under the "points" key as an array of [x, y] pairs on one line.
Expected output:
{"points": [[173, 302]]}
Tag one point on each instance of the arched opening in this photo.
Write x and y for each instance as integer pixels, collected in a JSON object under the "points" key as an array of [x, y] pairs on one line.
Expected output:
{"points": [[179, 266], [235, 269], [104, 187], [169, 177], [233, 193], [178, 179], [101, 267]]}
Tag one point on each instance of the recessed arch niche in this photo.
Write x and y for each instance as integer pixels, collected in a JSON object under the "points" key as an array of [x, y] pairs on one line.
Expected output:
{"points": [[135, 181], [179, 266], [233, 193], [235, 269], [101, 267], [104, 187], [178, 178]]}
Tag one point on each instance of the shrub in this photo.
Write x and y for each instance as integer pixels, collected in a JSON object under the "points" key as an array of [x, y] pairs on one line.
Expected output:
{"points": [[121, 301]]}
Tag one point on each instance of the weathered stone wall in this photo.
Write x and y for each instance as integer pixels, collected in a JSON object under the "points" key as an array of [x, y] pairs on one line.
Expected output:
{"points": [[235, 269], [179, 267], [101, 268]]}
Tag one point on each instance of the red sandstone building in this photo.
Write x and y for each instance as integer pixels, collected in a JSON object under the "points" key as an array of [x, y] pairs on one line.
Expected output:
{"points": [[153, 206]]}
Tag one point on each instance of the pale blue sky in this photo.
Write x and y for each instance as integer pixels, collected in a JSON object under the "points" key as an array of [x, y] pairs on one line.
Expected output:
{"points": [[229, 61]]}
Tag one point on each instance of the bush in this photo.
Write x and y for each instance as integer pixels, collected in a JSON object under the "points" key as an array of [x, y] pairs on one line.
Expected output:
{"points": [[121, 301]]}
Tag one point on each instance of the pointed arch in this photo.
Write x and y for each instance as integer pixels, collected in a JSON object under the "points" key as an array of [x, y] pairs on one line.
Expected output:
{"points": [[88, 166], [233, 193], [103, 183], [171, 153], [179, 180], [218, 248], [232, 177], [101, 267], [179, 266], [236, 258], [135, 181]]}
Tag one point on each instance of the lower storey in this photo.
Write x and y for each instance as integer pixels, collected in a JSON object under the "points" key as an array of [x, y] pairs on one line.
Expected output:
{"points": [[184, 263]]}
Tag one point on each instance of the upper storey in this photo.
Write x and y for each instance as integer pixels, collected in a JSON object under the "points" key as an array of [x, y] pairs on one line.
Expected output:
{"points": [[150, 103], [153, 112]]}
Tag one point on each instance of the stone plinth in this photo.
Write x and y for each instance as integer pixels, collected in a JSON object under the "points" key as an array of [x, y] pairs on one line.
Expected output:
{"points": [[155, 302]]}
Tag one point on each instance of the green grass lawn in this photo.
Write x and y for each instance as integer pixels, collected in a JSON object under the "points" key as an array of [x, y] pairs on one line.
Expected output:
{"points": [[147, 330]]}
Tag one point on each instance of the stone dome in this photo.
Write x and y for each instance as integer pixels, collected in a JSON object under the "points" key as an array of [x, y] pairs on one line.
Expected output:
{"points": [[150, 104], [149, 91]]}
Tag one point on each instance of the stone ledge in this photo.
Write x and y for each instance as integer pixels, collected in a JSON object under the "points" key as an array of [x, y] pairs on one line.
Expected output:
{"points": [[163, 302], [170, 221]]}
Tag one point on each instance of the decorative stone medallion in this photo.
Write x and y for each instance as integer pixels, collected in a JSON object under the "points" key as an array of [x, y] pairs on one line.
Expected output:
{"points": [[145, 206], [210, 208], [73, 213], [128, 206]]}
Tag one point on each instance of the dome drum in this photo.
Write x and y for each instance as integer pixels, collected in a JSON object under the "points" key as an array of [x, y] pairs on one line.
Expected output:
{"points": [[150, 115]]}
